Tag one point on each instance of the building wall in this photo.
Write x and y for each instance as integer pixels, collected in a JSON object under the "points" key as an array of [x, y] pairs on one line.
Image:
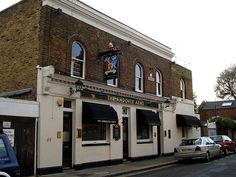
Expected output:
{"points": [[178, 72], [45, 38], [59, 31], [207, 114], [51, 123], [19, 51], [185, 107]]}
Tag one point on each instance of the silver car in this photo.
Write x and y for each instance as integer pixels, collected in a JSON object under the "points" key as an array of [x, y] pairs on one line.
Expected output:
{"points": [[197, 148]]}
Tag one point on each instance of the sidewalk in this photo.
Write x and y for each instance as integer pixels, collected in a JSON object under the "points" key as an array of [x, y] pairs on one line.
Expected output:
{"points": [[115, 170]]}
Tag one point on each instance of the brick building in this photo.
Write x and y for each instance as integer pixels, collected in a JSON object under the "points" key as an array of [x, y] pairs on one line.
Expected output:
{"points": [[105, 91], [214, 109]]}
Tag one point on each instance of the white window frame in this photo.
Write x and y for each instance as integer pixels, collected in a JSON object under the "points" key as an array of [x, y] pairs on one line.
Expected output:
{"points": [[106, 141], [182, 88], [114, 80], [139, 78], [158, 83], [73, 59], [150, 136]]}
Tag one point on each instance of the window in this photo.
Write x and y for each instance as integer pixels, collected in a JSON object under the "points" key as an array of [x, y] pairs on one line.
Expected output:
{"points": [[158, 84], [3, 151], [169, 134], [182, 89], [67, 104], [227, 104], [77, 60], [94, 132], [138, 78], [112, 82], [143, 130]]}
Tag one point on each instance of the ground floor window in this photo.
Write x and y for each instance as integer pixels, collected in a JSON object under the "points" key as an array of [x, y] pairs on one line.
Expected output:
{"points": [[143, 129], [94, 132]]}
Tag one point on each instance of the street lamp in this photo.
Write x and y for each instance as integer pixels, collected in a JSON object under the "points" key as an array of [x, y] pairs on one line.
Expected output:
{"points": [[79, 86], [166, 103]]}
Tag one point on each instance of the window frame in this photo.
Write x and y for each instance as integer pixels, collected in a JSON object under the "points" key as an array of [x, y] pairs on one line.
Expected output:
{"points": [[139, 78], [73, 59], [182, 89], [158, 83], [150, 129], [105, 141], [115, 81]]}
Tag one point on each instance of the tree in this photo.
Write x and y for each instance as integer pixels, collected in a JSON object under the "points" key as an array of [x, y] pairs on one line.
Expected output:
{"points": [[224, 122], [226, 83]]}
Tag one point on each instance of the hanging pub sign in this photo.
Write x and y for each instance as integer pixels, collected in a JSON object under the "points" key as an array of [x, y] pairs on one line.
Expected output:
{"points": [[110, 63]]}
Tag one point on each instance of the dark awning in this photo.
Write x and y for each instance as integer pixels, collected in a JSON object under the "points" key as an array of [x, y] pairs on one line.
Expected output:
{"points": [[187, 121], [151, 117], [99, 113]]}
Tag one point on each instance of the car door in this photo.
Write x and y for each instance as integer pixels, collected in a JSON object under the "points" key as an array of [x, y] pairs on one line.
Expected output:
{"points": [[213, 147], [229, 143]]}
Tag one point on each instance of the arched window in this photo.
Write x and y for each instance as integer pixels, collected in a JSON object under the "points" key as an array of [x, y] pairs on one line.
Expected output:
{"points": [[182, 89], [77, 60], [158, 83], [138, 78]]}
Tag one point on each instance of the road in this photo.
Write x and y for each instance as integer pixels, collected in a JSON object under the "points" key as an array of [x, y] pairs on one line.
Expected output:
{"points": [[221, 167]]}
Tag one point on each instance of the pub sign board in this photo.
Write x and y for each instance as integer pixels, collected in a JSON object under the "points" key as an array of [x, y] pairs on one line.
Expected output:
{"points": [[116, 132], [110, 63]]}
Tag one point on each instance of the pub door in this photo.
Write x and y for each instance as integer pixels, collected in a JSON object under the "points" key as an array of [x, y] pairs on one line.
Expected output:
{"points": [[125, 138], [24, 147], [67, 140]]}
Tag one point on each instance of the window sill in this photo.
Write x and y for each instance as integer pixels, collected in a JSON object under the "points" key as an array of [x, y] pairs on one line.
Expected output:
{"points": [[144, 142], [96, 144]]}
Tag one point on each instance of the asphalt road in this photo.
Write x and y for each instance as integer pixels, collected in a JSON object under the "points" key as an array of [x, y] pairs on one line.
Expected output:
{"points": [[221, 167]]}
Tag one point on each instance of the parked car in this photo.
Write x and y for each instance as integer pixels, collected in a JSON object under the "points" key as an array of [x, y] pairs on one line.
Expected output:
{"points": [[226, 143], [8, 161], [3, 174], [197, 148]]}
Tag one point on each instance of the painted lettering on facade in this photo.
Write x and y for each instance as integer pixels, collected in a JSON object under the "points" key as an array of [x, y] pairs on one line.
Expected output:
{"points": [[125, 100]]}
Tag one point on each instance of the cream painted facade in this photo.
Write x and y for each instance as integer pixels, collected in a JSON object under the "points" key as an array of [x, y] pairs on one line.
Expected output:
{"points": [[181, 106], [53, 89]]}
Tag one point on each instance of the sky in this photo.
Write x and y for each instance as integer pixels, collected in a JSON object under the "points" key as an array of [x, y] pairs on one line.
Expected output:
{"points": [[201, 33]]}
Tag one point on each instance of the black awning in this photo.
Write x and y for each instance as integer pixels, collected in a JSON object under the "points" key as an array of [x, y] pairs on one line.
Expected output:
{"points": [[150, 117], [99, 113], [187, 121]]}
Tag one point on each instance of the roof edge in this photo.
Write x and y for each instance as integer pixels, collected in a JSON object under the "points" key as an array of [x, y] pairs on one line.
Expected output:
{"points": [[91, 16]]}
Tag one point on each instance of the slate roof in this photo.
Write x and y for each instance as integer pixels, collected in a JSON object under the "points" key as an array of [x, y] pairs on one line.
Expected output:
{"points": [[227, 104]]}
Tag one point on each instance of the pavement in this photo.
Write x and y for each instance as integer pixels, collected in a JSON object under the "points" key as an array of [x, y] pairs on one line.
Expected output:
{"points": [[119, 169]]}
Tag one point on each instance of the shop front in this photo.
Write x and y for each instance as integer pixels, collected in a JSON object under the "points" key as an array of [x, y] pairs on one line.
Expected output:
{"points": [[97, 125]]}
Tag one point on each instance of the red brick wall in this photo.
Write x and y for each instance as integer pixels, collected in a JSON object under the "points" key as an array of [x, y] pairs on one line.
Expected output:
{"points": [[32, 35], [61, 30], [207, 114]]}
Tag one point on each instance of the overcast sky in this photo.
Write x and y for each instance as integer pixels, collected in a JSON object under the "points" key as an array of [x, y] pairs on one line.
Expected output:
{"points": [[202, 33]]}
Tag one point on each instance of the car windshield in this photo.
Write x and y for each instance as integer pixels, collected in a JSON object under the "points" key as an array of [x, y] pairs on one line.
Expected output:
{"points": [[217, 138], [3, 152], [188, 142]]}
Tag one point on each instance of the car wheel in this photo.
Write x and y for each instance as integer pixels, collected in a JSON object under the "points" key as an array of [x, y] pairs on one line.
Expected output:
{"points": [[221, 153], [234, 149], [208, 157]]}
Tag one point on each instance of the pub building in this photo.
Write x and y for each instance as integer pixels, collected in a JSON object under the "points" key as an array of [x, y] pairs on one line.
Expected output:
{"points": [[106, 92]]}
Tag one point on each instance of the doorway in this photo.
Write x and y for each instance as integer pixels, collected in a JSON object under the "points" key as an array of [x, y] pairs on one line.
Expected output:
{"points": [[125, 138], [67, 140]]}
